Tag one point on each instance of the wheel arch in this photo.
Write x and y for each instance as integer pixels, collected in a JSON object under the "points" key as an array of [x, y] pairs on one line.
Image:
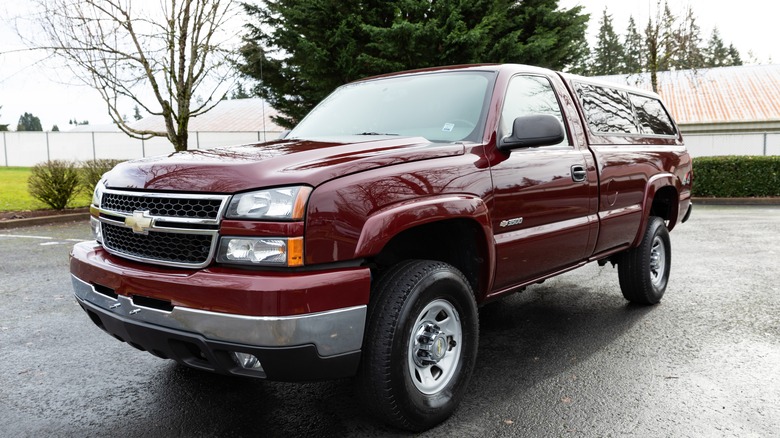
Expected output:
{"points": [[450, 229], [662, 196]]}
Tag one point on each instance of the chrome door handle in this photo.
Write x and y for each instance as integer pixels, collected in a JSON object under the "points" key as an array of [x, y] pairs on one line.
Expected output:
{"points": [[578, 173]]}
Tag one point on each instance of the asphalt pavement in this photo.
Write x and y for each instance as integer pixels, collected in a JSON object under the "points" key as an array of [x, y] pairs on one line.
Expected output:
{"points": [[569, 357]]}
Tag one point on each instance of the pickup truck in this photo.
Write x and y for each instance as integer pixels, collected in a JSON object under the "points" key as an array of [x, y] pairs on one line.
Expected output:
{"points": [[362, 243]]}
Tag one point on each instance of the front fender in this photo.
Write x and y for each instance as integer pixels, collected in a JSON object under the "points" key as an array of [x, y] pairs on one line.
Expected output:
{"points": [[386, 223]]}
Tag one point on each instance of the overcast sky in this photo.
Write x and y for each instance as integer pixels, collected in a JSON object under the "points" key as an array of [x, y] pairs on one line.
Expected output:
{"points": [[50, 93], [749, 24]]}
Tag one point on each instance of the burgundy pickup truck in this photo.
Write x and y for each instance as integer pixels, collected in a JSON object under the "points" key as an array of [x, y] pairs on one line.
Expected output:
{"points": [[362, 243]]}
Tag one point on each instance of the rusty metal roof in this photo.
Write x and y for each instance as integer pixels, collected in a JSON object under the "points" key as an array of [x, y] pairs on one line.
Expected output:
{"points": [[742, 94], [237, 115]]}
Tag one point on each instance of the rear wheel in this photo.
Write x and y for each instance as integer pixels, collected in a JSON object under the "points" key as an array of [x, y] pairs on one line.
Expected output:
{"points": [[644, 271], [420, 345]]}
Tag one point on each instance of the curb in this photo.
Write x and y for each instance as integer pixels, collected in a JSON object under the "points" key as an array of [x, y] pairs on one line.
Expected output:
{"points": [[43, 220]]}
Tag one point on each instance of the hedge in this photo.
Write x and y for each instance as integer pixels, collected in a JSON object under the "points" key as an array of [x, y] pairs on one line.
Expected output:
{"points": [[736, 176]]}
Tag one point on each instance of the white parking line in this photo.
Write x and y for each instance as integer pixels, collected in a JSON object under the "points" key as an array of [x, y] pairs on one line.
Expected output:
{"points": [[23, 236]]}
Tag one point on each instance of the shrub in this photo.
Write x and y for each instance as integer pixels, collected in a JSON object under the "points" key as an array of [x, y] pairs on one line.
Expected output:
{"points": [[93, 170], [736, 176], [55, 183]]}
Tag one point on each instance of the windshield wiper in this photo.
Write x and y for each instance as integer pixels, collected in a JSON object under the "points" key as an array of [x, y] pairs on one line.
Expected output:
{"points": [[374, 133]]}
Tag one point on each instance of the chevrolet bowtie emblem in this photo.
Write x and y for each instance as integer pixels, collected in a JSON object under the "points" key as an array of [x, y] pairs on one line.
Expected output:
{"points": [[140, 222]]}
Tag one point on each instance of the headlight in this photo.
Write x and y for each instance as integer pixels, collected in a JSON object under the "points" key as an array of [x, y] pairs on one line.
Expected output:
{"points": [[261, 251], [283, 203], [97, 196]]}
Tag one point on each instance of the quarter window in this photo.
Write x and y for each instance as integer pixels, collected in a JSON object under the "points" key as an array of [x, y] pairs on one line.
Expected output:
{"points": [[607, 110], [651, 116]]}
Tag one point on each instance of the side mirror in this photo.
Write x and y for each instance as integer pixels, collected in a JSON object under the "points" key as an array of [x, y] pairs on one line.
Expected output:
{"points": [[530, 131]]}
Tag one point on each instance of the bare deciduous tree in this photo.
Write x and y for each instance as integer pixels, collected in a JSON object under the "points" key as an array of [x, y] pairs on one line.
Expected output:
{"points": [[167, 50]]}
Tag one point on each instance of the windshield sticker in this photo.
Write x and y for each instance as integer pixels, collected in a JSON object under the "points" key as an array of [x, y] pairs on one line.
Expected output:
{"points": [[448, 127]]}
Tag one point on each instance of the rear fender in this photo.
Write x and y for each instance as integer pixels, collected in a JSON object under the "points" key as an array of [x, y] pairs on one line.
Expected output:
{"points": [[654, 185]]}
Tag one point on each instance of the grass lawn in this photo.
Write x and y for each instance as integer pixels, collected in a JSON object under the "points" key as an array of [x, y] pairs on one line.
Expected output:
{"points": [[14, 195]]}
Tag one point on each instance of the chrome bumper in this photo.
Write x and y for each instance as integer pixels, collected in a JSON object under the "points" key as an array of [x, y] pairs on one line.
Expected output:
{"points": [[332, 333]]}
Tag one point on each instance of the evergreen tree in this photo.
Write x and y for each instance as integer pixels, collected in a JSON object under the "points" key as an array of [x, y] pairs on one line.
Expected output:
{"points": [[137, 113], [239, 92], [717, 55], [634, 54], [55, 128], [28, 122], [608, 54], [300, 50], [667, 43], [734, 58]]}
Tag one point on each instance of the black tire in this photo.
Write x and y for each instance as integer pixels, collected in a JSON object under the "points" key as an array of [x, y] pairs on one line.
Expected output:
{"points": [[420, 344], [644, 271]]}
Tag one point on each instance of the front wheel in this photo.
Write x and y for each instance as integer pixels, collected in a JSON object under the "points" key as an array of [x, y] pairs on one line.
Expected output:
{"points": [[420, 345], [644, 271]]}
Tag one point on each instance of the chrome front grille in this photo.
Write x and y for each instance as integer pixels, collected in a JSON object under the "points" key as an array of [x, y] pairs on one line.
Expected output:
{"points": [[161, 228]]}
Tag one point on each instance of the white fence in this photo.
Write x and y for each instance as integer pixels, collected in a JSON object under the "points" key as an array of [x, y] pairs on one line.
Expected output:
{"points": [[25, 149]]}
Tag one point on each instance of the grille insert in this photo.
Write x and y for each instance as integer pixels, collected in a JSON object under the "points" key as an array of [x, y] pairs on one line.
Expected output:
{"points": [[191, 208], [194, 249]]}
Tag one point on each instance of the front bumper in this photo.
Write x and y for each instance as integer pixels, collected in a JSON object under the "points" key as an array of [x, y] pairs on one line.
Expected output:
{"points": [[309, 346]]}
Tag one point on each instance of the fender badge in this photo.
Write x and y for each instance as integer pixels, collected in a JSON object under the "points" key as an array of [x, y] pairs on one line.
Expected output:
{"points": [[511, 222], [140, 222]]}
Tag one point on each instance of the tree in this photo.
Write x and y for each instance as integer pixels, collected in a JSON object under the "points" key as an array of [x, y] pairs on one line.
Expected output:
{"points": [[634, 56], [608, 55], [659, 43], [137, 113], [667, 44], [687, 37], [717, 55], [171, 49], [299, 51], [239, 92], [55, 128], [28, 122], [734, 58], [2, 126]]}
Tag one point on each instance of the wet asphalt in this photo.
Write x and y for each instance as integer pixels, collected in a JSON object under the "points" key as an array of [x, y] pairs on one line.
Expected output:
{"points": [[569, 357]]}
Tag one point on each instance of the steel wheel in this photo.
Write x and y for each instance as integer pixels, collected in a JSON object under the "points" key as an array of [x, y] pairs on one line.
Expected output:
{"points": [[658, 262], [434, 347]]}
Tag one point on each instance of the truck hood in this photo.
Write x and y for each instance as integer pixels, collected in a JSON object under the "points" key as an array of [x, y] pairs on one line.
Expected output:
{"points": [[282, 162]]}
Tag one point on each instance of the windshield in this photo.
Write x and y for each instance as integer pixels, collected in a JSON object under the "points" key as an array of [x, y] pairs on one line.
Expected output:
{"points": [[442, 107]]}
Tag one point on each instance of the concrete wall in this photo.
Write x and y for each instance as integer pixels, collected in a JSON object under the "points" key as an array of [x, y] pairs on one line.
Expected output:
{"points": [[26, 149]]}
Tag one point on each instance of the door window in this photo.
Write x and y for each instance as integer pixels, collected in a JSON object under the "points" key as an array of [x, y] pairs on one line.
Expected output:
{"points": [[527, 96]]}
